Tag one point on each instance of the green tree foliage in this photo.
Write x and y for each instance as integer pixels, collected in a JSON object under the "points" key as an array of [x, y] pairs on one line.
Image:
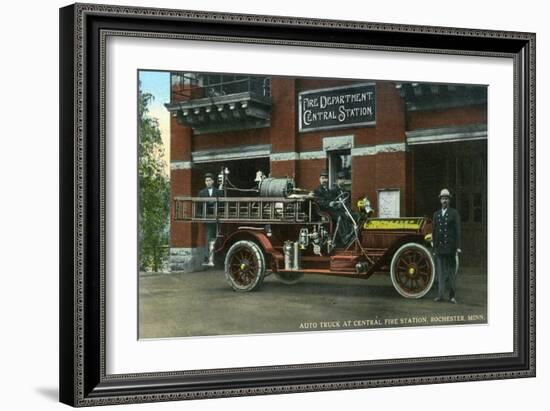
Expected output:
{"points": [[154, 191]]}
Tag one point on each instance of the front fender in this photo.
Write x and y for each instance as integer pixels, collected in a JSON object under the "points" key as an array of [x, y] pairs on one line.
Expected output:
{"points": [[259, 237]]}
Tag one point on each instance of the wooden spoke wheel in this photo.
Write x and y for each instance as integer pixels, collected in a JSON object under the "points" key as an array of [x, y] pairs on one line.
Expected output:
{"points": [[289, 278], [412, 270], [245, 266]]}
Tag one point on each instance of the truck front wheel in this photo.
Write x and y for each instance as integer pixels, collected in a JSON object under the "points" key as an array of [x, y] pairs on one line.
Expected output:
{"points": [[245, 266]]}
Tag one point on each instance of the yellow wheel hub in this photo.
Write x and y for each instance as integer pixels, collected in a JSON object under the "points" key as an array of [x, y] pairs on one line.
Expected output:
{"points": [[243, 266], [412, 271]]}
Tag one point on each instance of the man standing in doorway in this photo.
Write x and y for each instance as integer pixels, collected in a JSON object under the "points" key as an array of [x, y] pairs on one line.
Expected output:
{"points": [[212, 192], [446, 244]]}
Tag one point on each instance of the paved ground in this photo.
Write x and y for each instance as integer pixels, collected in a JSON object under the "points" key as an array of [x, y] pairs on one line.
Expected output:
{"points": [[202, 303]]}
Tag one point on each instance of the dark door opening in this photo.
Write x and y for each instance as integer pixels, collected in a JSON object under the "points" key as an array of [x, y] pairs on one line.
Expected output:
{"points": [[339, 162], [471, 200], [462, 168]]}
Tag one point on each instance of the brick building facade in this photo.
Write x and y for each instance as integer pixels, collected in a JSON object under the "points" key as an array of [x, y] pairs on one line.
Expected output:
{"points": [[422, 137]]}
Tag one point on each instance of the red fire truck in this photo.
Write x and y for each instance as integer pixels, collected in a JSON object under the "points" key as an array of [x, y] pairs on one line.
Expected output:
{"points": [[282, 230]]}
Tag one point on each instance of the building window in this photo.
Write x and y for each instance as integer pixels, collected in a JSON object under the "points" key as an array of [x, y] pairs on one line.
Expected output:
{"points": [[340, 161]]}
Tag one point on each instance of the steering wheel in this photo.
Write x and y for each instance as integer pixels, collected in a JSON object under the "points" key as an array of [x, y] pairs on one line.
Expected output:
{"points": [[339, 199], [343, 196]]}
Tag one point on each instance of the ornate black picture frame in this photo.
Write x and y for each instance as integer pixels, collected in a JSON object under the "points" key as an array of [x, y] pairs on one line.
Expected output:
{"points": [[83, 30]]}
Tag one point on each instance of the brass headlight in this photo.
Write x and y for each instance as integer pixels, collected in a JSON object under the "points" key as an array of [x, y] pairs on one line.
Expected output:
{"points": [[364, 207], [428, 238]]}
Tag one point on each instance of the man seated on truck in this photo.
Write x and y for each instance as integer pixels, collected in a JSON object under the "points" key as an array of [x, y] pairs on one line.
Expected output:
{"points": [[326, 199], [323, 193], [339, 191]]}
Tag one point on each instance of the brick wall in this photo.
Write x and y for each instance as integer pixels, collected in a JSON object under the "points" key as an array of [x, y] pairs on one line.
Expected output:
{"points": [[448, 117], [386, 169]]}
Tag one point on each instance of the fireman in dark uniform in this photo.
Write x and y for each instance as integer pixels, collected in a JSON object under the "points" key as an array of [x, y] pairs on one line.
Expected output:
{"points": [[323, 193], [326, 199], [446, 244], [340, 189]]}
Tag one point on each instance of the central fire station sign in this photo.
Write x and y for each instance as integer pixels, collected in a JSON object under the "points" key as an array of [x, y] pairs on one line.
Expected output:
{"points": [[338, 107]]}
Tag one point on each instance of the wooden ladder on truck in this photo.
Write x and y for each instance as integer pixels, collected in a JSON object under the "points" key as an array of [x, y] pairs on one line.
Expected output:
{"points": [[262, 210]]}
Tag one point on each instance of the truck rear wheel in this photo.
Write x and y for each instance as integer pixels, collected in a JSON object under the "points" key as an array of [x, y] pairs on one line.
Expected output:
{"points": [[412, 270], [245, 266]]}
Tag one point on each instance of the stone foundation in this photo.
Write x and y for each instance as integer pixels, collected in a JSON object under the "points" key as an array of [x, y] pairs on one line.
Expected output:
{"points": [[187, 260]]}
